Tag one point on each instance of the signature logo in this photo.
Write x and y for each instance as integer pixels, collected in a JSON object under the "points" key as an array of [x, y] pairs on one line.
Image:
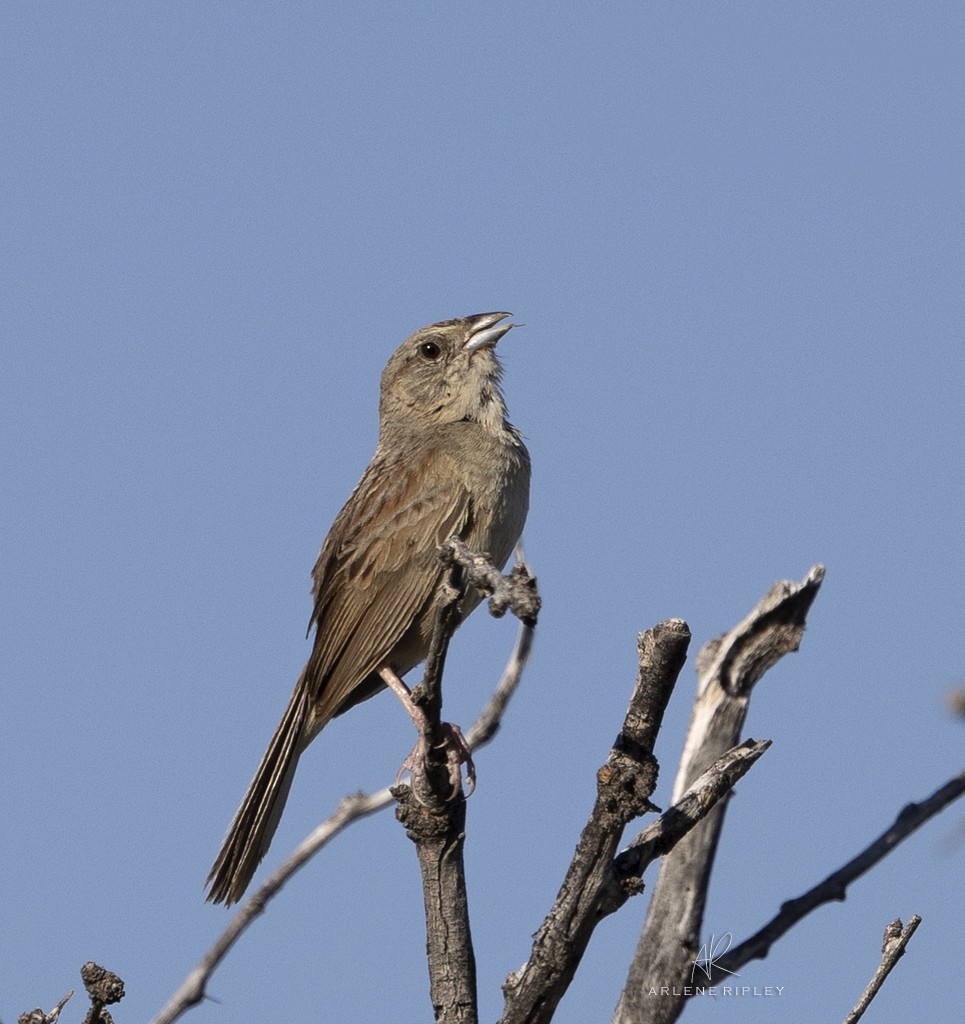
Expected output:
{"points": [[708, 955]]}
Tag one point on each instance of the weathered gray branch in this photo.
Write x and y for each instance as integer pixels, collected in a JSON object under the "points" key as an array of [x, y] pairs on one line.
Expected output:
{"points": [[439, 838], [103, 987], [192, 989], [628, 867], [624, 785], [40, 1016], [431, 775], [892, 950], [834, 887], [727, 669], [662, 835], [534, 991]]}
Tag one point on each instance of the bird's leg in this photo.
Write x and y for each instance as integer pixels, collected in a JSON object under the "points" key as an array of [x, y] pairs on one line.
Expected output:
{"points": [[395, 684], [458, 752]]}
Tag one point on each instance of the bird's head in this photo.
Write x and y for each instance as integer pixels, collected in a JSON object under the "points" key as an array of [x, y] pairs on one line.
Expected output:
{"points": [[445, 373]]}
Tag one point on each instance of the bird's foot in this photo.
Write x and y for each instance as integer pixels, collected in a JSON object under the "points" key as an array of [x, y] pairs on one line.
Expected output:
{"points": [[458, 753]]}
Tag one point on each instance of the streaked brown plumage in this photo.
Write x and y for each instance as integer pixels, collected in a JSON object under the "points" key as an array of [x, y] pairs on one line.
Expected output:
{"points": [[447, 463]]}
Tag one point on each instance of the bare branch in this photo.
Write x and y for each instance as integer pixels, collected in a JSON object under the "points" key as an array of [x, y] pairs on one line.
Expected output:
{"points": [[104, 989], [834, 887], [892, 950], [432, 780], [434, 816], [433, 813], [515, 592], [727, 669], [192, 989], [439, 837], [662, 835], [729, 666], [487, 724], [350, 809], [38, 1016], [624, 785]]}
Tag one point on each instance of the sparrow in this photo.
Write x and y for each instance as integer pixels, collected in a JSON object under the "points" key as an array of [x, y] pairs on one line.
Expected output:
{"points": [[448, 463]]}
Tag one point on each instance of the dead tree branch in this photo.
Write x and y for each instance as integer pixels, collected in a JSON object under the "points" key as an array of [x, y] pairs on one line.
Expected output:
{"points": [[655, 840], [727, 669], [515, 592], [103, 987], [834, 887], [662, 835], [39, 1016], [892, 950], [434, 817], [433, 814], [624, 785]]}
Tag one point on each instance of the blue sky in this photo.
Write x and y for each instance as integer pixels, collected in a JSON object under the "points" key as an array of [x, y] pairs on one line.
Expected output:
{"points": [[736, 237]]}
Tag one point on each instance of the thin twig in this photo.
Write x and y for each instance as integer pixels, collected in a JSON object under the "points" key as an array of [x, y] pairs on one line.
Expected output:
{"points": [[487, 724], [892, 950], [662, 835], [834, 887], [39, 1016], [350, 809], [192, 989]]}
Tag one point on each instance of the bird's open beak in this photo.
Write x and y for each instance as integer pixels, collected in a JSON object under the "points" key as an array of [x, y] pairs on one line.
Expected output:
{"points": [[486, 330]]}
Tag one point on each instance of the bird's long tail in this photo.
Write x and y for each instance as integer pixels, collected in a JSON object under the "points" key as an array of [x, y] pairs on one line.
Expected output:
{"points": [[254, 825]]}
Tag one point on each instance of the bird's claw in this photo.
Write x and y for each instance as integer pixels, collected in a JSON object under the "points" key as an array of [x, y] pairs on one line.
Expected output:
{"points": [[458, 753]]}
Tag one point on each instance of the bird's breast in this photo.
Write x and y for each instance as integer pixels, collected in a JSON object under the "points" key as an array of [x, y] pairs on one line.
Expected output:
{"points": [[496, 475]]}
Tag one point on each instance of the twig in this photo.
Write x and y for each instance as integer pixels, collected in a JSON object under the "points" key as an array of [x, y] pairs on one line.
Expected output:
{"points": [[515, 592], [892, 950], [624, 785], [487, 724], [350, 809], [662, 835], [192, 989], [834, 887], [727, 670], [39, 1016]]}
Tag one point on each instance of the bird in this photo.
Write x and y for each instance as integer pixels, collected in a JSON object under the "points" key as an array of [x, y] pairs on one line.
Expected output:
{"points": [[448, 463]]}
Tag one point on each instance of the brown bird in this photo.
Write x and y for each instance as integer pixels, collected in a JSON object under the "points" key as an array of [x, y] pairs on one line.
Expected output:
{"points": [[448, 463]]}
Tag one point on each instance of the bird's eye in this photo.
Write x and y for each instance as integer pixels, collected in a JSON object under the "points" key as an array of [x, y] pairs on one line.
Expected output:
{"points": [[429, 350]]}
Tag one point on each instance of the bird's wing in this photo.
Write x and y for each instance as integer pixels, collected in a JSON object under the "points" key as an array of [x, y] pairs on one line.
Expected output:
{"points": [[378, 570]]}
